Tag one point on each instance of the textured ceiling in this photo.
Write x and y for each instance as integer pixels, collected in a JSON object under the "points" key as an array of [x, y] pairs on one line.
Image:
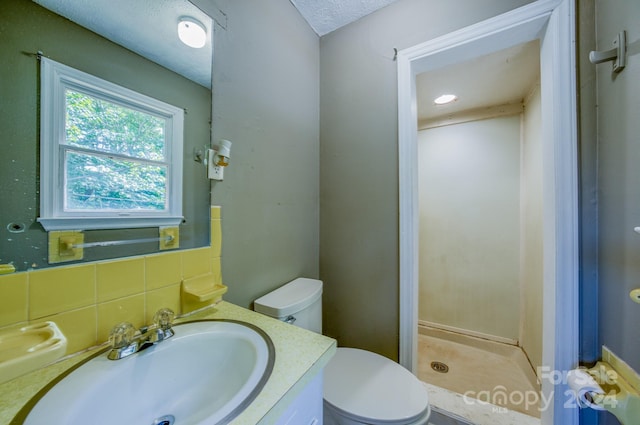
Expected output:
{"points": [[147, 27], [325, 16]]}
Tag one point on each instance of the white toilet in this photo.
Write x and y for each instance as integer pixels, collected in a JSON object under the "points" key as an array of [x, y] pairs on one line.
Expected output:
{"points": [[360, 387]]}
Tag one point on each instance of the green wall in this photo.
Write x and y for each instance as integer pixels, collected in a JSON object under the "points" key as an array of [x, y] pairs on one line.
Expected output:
{"points": [[26, 28], [266, 95], [618, 104], [359, 162]]}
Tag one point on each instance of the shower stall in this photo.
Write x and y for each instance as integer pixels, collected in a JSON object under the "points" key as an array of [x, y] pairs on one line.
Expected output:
{"points": [[480, 234]]}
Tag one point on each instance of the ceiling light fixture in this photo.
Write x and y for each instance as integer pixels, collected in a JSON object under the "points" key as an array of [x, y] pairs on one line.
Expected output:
{"points": [[445, 98], [191, 32]]}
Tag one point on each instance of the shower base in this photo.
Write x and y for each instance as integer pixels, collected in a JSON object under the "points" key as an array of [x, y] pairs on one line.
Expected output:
{"points": [[482, 375]]}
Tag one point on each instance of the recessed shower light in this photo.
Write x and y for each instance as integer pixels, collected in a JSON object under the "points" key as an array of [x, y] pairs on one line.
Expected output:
{"points": [[191, 32], [445, 98]]}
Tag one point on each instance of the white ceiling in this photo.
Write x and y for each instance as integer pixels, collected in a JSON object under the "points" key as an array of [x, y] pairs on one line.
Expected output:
{"points": [[502, 78], [147, 27], [325, 16]]}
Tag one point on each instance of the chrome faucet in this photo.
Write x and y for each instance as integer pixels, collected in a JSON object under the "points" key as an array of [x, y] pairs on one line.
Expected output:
{"points": [[126, 340]]}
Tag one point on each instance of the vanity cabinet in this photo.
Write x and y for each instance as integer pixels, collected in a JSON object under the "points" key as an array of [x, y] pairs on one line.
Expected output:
{"points": [[306, 408]]}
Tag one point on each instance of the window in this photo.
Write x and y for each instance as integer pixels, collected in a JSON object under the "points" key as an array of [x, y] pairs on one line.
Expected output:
{"points": [[110, 157]]}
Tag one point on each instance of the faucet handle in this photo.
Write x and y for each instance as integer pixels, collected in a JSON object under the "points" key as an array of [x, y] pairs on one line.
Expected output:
{"points": [[164, 318], [122, 335]]}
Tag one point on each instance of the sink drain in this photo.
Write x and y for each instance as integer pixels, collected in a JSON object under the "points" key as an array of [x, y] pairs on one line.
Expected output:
{"points": [[439, 367], [164, 420]]}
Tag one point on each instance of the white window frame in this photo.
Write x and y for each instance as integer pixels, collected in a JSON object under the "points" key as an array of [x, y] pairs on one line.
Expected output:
{"points": [[55, 79]]}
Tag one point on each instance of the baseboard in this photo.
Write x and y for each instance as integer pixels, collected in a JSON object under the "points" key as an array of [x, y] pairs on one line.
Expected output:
{"points": [[426, 324]]}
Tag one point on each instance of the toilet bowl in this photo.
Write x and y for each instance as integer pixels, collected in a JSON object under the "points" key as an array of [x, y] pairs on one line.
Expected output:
{"points": [[360, 387]]}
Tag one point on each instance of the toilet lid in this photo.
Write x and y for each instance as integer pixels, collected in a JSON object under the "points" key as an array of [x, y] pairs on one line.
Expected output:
{"points": [[366, 386]]}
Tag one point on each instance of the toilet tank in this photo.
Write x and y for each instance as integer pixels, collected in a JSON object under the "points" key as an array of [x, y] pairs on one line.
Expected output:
{"points": [[298, 302]]}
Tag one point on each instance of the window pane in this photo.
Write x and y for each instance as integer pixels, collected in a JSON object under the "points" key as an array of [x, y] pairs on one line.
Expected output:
{"points": [[100, 125], [102, 183]]}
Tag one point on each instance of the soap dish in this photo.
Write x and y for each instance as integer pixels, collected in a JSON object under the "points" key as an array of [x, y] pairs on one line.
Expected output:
{"points": [[203, 288], [28, 348]]}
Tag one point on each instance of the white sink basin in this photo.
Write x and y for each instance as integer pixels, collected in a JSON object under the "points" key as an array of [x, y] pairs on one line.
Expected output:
{"points": [[207, 373]]}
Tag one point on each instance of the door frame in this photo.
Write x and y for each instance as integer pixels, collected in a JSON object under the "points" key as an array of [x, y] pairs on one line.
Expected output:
{"points": [[553, 23]]}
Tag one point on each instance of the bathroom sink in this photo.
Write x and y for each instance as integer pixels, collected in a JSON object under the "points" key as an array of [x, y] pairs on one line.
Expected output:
{"points": [[207, 373]]}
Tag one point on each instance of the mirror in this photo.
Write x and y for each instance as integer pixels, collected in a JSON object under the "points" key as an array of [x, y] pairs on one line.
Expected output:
{"points": [[148, 31], [147, 27]]}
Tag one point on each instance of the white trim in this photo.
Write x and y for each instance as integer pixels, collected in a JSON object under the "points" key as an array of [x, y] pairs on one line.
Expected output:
{"points": [[108, 223], [472, 115], [55, 79], [551, 21], [560, 328]]}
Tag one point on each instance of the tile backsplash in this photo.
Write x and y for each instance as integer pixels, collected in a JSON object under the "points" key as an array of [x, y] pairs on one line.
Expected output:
{"points": [[86, 300]]}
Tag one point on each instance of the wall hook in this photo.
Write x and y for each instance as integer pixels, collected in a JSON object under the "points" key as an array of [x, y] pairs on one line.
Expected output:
{"points": [[618, 54]]}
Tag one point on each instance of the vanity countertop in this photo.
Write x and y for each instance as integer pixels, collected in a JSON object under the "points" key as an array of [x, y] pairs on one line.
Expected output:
{"points": [[300, 355]]}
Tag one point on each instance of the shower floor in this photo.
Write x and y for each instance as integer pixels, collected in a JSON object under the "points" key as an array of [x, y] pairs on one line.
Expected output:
{"points": [[483, 376]]}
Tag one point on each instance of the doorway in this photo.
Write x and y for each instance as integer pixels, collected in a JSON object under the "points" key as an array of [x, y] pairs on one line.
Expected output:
{"points": [[480, 227], [551, 22]]}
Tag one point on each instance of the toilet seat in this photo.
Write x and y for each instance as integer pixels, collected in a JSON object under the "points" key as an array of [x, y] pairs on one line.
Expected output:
{"points": [[369, 388]]}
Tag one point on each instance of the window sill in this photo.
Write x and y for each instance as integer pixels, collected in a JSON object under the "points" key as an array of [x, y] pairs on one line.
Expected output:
{"points": [[84, 223]]}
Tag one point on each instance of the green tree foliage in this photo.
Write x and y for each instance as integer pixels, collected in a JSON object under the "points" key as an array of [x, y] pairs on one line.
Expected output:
{"points": [[115, 156]]}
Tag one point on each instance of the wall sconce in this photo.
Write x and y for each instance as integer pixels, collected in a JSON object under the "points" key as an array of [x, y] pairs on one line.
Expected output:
{"points": [[217, 159]]}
